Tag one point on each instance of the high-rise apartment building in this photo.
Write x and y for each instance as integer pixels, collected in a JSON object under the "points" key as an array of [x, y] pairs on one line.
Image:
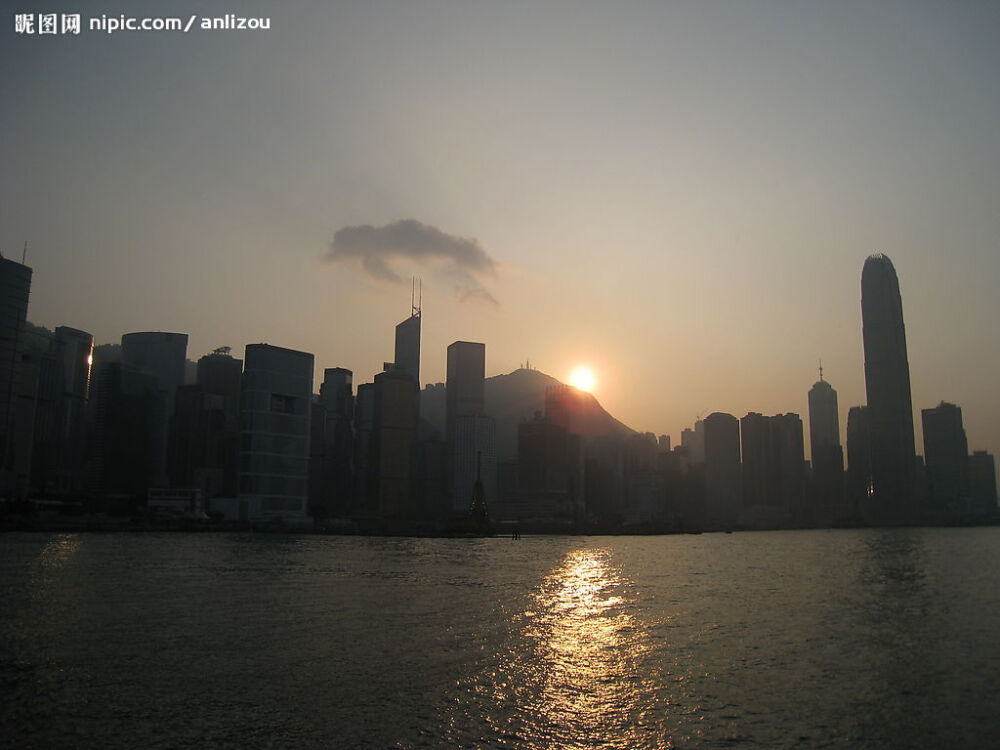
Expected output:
{"points": [[694, 441], [723, 484], [772, 462], [887, 383]]}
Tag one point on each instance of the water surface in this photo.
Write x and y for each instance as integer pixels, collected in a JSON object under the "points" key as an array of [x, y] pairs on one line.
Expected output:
{"points": [[871, 638]]}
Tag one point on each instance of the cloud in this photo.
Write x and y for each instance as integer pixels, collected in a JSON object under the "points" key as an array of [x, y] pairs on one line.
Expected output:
{"points": [[459, 260]]}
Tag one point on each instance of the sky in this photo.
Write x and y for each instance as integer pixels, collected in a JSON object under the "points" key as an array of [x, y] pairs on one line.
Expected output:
{"points": [[679, 195]]}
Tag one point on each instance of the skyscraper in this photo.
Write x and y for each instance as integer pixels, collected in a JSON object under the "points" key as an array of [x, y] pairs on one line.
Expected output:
{"points": [[364, 462], [393, 445], [824, 443], [723, 483], [694, 441], [127, 412], [274, 425], [161, 355], [336, 452], [946, 456], [205, 432], [824, 421], [773, 461], [15, 285], [407, 353], [408, 347], [859, 456], [77, 351], [887, 382], [466, 384], [470, 434], [983, 483]]}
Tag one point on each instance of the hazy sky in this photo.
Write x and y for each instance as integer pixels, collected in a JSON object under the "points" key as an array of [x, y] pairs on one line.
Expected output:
{"points": [[679, 194]]}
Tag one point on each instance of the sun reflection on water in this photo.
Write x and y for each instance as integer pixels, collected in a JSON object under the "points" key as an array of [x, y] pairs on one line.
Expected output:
{"points": [[576, 683], [59, 550]]}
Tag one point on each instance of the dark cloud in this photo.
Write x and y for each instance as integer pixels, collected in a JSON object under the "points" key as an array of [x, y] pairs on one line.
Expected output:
{"points": [[460, 260]]}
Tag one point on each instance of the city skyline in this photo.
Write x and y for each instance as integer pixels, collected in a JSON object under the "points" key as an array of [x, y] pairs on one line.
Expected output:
{"points": [[689, 220]]}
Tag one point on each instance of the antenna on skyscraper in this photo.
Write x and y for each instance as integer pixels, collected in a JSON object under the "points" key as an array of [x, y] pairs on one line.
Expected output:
{"points": [[24, 253], [821, 370], [416, 296]]}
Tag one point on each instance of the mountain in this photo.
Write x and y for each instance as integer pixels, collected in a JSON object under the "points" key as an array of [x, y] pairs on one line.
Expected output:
{"points": [[516, 397]]}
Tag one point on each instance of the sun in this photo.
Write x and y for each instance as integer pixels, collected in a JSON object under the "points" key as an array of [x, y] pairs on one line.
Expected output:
{"points": [[583, 378]]}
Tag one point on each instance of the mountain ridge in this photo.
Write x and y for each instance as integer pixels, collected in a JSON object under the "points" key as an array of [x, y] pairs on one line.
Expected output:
{"points": [[517, 396]]}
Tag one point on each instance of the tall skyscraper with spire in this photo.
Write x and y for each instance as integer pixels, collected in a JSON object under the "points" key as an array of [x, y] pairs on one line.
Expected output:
{"points": [[824, 443], [407, 353], [887, 382]]}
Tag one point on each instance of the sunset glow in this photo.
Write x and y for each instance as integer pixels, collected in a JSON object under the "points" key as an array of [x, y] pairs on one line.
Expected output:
{"points": [[583, 378]]}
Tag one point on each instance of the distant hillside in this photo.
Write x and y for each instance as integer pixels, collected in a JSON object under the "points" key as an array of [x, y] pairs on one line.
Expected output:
{"points": [[515, 397]]}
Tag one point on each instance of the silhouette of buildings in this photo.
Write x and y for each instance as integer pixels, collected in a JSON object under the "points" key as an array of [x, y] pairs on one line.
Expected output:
{"points": [[470, 434], [408, 347], [549, 473], [393, 445], [466, 380], [548, 456], [887, 383], [274, 433], [946, 458], [773, 468], [645, 499], [824, 445], [161, 355], [983, 484], [364, 466], [127, 426], [15, 287], [333, 445], [77, 417], [76, 349], [859, 457], [52, 386], [694, 441], [723, 483], [205, 431]]}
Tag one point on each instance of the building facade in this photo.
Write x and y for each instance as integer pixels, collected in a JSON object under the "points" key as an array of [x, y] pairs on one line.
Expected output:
{"points": [[824, 446], [773, 465], [946, 458], [470, 435], [161, 355], [15, 287], [407, 351], [983, 483], [336, 451], [723, 479], [275, 405]]}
